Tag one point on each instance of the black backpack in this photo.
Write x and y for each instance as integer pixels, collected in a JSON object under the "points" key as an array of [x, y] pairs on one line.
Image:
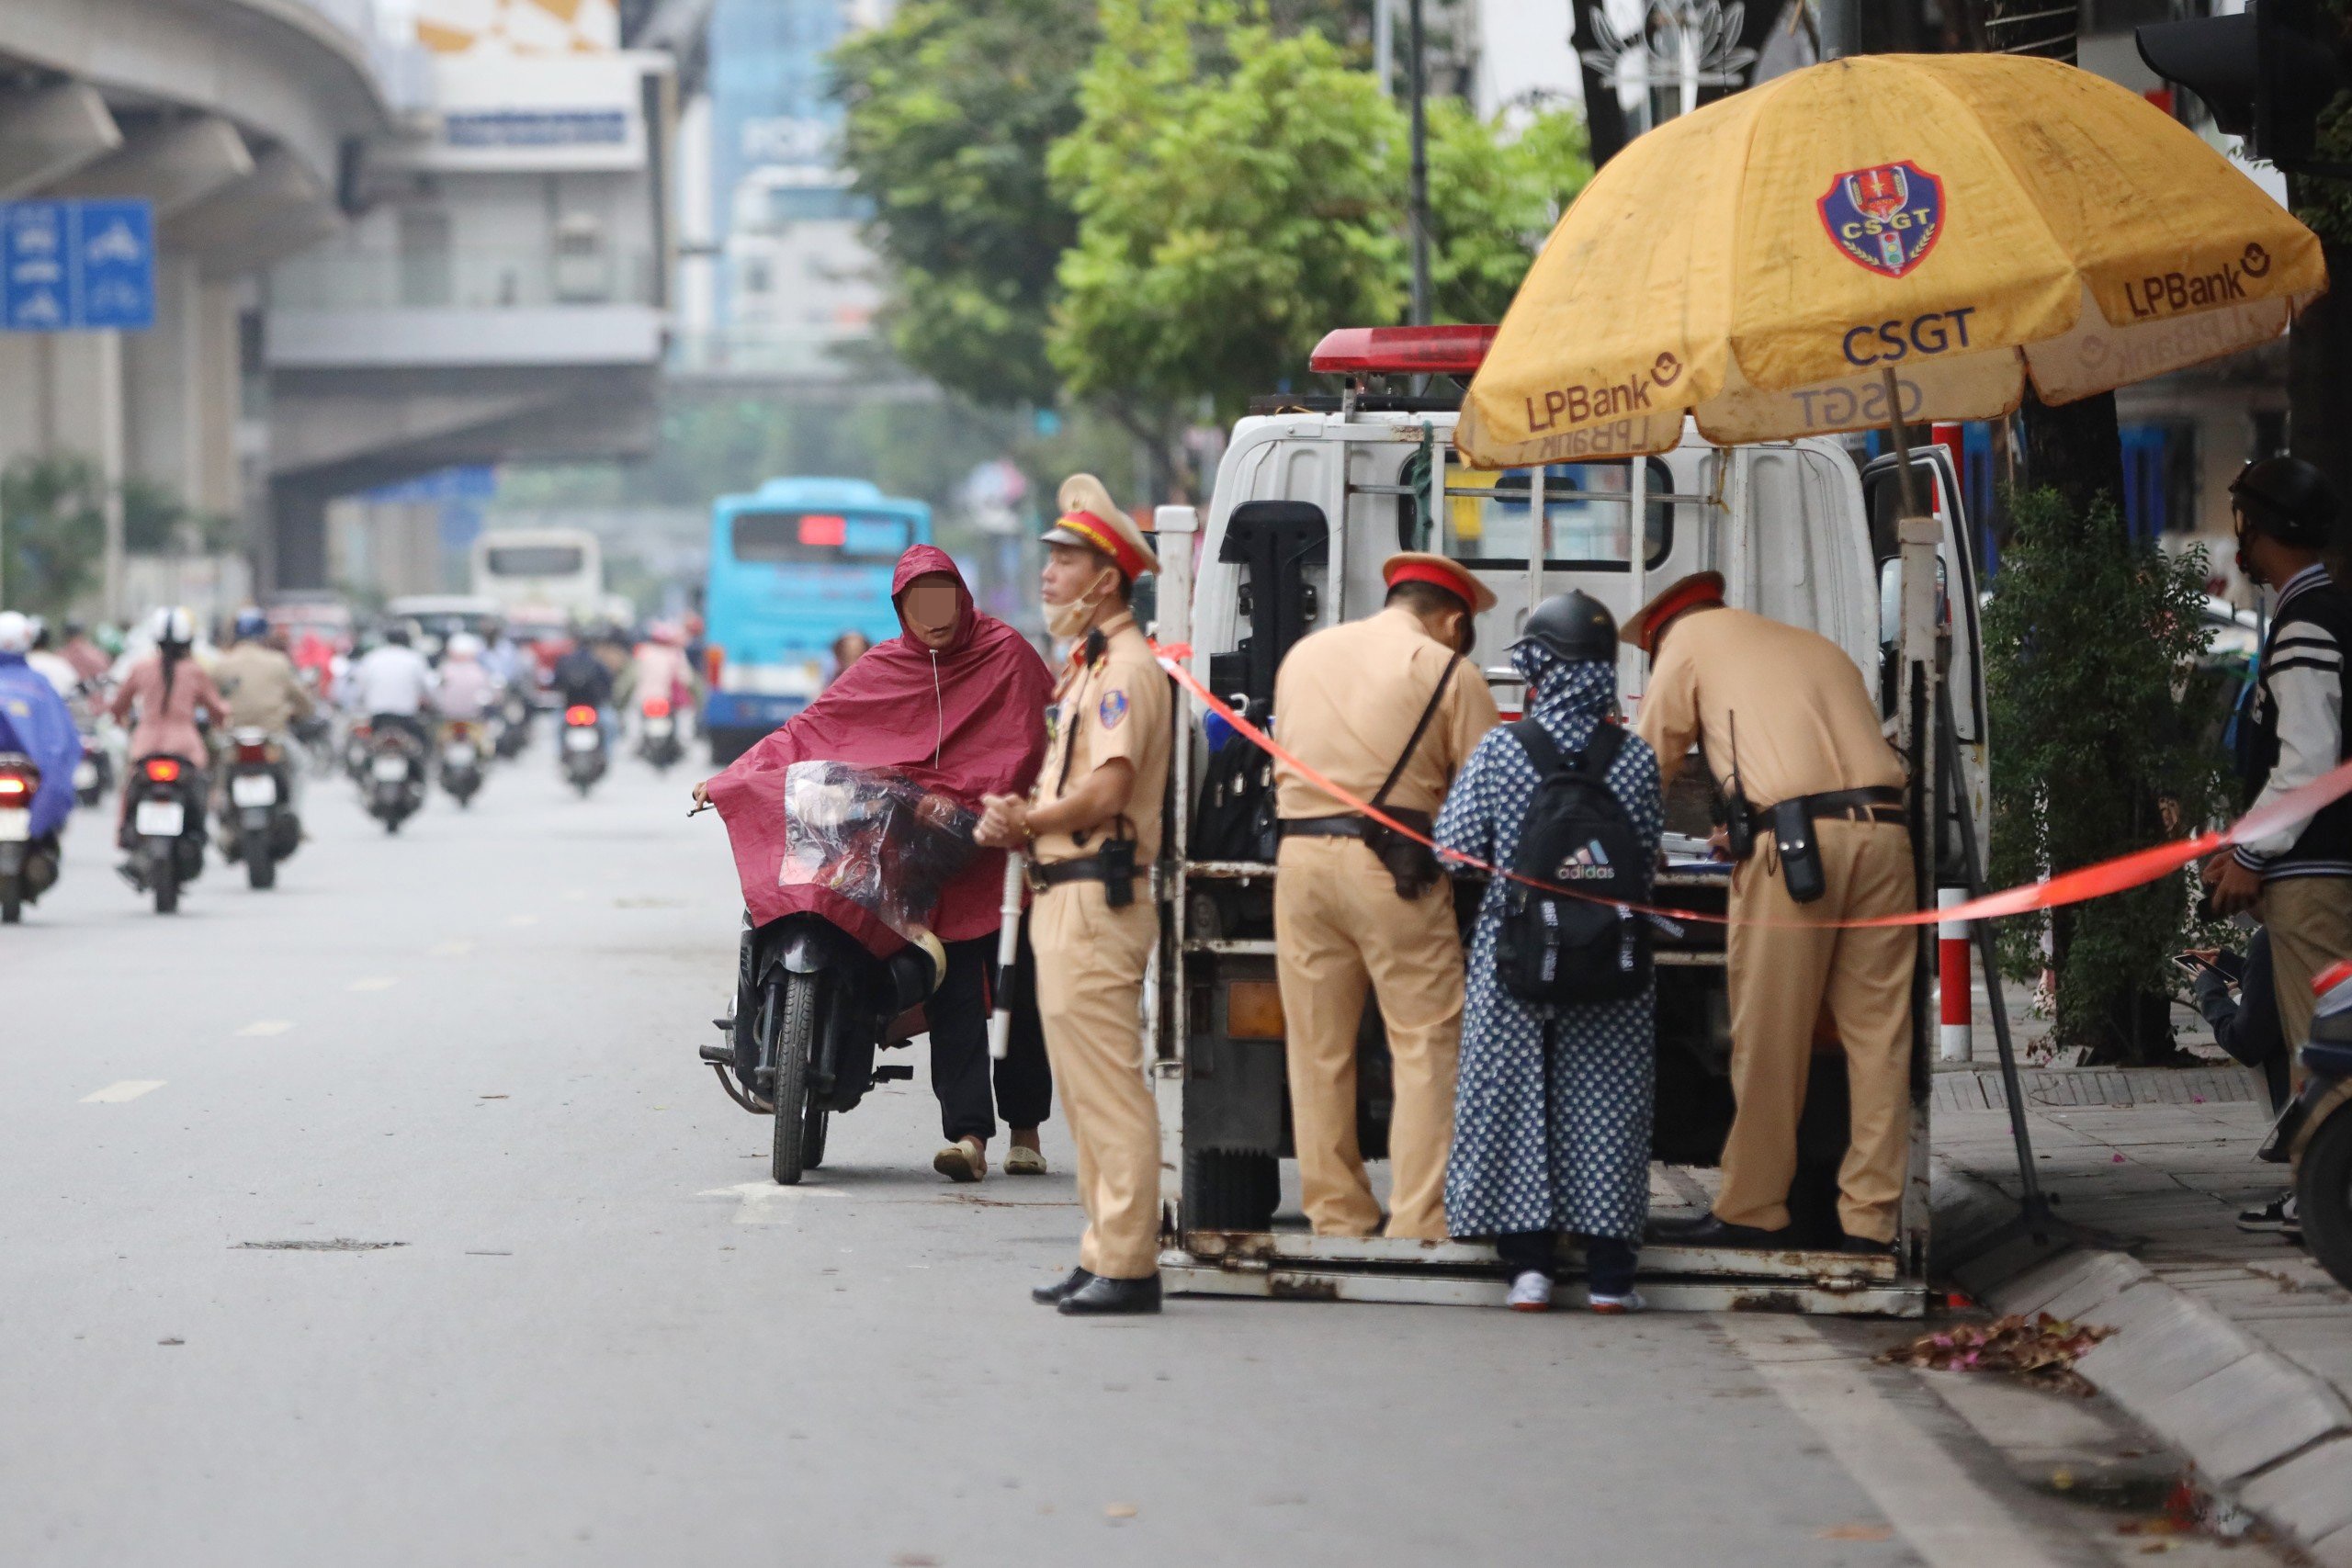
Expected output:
{"points": [[1576, 834]]}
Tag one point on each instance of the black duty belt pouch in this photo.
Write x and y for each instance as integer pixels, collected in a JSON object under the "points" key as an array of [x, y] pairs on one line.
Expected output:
{"points": [[1118, 858], [1800, 850], [1412, 865]]}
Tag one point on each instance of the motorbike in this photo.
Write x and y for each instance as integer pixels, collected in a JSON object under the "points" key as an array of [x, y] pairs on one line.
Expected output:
{"points": [[257, 821], [657, 734], [820, 991], [28, 865], [395, 782], [2314, 1133], [583, 747], [164, 827], [94, 774], [358, 747], [461, 756], [512, 723]]}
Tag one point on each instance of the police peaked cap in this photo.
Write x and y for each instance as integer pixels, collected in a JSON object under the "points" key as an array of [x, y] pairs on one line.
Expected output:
{"points": [[1573, 626], [2290, 500]]}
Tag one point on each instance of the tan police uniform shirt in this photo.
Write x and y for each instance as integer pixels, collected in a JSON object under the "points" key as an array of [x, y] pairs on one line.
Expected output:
{"points": [[1346, 699], [1805, 722], [1117, 707]]}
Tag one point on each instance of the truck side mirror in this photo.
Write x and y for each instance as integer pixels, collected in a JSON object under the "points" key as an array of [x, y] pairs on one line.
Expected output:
{"points": [[1890, 601]]}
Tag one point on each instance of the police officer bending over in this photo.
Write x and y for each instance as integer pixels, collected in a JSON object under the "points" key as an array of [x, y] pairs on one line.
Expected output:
{"points": [[1091, 831], [1388, 709], [1793, 738]]}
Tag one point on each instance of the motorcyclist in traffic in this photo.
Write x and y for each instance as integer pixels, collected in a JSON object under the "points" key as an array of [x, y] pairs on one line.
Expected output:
{"points": [[36, 723], [391, 685], [264, 689], [165, 689], [582, 680], [89, 661], [657, 667], [466, 690]]}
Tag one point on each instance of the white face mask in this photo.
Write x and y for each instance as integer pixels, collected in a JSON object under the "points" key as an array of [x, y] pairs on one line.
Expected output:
{"points": [[1072, 618]]}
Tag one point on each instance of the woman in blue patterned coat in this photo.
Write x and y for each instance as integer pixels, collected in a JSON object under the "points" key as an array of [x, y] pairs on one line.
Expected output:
{"points": [[1552, 1112]]}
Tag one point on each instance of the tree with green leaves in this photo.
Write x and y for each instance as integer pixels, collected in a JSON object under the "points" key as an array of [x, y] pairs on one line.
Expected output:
{"points": [[52, 531], [1494, 194], [2104, 741], [950, 108], [1237, 193]]}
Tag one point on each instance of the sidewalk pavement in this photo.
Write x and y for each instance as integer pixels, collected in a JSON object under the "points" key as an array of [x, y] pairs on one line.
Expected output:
{"points": [[2235, 1349]]}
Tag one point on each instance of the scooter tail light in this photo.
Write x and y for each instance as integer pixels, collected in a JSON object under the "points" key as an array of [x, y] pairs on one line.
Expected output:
{"points": [[163, 770], [254, 753], [14, 786], [657, 707], [580, 715]]}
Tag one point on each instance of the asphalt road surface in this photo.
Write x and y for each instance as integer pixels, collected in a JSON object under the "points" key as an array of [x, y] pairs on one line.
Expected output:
{"points": [[388, 1218]]}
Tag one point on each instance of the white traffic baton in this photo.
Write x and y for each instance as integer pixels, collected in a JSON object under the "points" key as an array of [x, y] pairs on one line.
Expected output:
{"points": [[1008, 947]]}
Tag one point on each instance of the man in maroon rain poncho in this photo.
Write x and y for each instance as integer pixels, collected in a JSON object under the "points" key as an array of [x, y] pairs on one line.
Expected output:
{"points": [[958, 702]]}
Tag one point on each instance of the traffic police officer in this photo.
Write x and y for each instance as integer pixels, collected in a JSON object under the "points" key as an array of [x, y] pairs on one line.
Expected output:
{"points": [[1093, 832], [1785, 721], [1388, 709]]}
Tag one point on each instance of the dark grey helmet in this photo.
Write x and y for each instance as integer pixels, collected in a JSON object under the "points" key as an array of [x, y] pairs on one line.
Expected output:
{"points": [[2288, 499], [1573, 626]]}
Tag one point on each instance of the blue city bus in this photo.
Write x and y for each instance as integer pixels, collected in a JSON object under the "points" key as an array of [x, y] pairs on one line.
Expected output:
{"points": [[792, 566]]}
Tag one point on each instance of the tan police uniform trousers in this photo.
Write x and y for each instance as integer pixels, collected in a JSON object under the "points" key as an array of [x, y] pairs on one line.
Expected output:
{"points": [[1338, 925], [1090, 962], [1782, 979]]}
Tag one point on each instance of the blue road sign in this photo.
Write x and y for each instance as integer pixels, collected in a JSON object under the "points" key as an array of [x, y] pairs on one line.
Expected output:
{"points": [[77, 266]]}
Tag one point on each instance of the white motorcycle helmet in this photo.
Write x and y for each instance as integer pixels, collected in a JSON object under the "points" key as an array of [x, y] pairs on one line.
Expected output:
{"points": [[174, 626], [16, 632], [464, 644]]}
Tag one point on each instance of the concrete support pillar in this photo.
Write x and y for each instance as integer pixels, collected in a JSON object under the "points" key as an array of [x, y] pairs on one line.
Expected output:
{"points": [[47, 134]]}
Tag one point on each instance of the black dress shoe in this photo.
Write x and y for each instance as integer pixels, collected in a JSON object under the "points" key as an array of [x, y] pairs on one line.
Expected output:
{"points": [[1051, 1295], [1866, 1246], [1709, 1231], [1101, 1297]]}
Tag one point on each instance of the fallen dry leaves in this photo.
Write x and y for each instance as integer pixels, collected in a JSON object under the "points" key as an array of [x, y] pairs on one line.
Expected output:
{"points": [[2040, 1350]]}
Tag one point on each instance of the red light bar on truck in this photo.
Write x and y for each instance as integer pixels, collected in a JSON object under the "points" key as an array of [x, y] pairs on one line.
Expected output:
{"points": [[1401, 351]]}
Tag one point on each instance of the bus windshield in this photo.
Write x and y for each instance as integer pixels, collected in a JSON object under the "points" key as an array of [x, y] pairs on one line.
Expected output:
{"points": [[780, 539], [535, 561]]}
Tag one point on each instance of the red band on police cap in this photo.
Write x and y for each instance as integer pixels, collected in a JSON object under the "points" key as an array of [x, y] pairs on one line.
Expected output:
{"points": [[1454, 581], [1104, 538], [1700, 590]]}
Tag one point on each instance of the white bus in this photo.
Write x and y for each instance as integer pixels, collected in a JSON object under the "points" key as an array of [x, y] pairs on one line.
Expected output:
{"points": [[558, 569]]}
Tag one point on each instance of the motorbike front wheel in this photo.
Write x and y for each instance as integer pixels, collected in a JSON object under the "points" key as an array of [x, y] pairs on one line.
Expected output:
{"points": [[787, 1030], [2323, 1195]]}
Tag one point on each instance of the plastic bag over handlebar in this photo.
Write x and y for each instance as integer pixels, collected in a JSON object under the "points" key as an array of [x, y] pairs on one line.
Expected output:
{"points": [[873, 837]]}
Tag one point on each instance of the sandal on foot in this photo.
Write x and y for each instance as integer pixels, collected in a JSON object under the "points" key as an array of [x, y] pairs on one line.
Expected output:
{"points": [[965, 1159], [1020, 1161]]}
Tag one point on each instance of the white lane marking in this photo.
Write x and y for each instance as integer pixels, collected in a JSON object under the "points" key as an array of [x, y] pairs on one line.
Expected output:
{"points": [[766, 1203], [374, 983], [1919, 1488], [450, 949], [128, 1089], [267, 1026]]}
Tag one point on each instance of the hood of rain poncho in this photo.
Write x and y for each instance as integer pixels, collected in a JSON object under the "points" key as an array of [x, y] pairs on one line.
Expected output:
{"points": [[967, 721], [34, 720]]}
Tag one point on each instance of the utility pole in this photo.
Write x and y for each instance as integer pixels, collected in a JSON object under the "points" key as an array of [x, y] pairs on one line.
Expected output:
{"points": [[1384, 45], [1418, 198], [1841, 28]]}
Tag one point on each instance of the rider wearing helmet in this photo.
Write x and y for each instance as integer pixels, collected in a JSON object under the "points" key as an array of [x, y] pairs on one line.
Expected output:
{"points": [[264, 689], [391, 685], [36, 723], [165, 689], [466, 688]]}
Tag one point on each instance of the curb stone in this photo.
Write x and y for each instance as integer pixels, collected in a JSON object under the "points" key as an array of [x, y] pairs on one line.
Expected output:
{"points": [[2249, 1417]]}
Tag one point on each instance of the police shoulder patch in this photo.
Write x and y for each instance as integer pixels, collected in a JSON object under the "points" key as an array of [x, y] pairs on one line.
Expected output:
{"points": [[1113, 709]]}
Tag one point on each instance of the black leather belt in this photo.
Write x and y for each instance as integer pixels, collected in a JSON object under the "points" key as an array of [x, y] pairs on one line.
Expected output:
{"points": [[1323, 827], [1087, 868], [1876, 803]]}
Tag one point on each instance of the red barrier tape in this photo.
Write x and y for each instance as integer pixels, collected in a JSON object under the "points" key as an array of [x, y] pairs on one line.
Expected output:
{"points": [[2085, 883]]}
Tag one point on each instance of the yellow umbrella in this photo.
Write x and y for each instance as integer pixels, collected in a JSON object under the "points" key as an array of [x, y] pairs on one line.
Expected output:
{"points": [[1958, 220]]}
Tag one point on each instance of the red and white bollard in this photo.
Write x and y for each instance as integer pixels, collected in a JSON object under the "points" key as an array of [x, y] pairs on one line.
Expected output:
{"points": [[1954, 1042]]}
